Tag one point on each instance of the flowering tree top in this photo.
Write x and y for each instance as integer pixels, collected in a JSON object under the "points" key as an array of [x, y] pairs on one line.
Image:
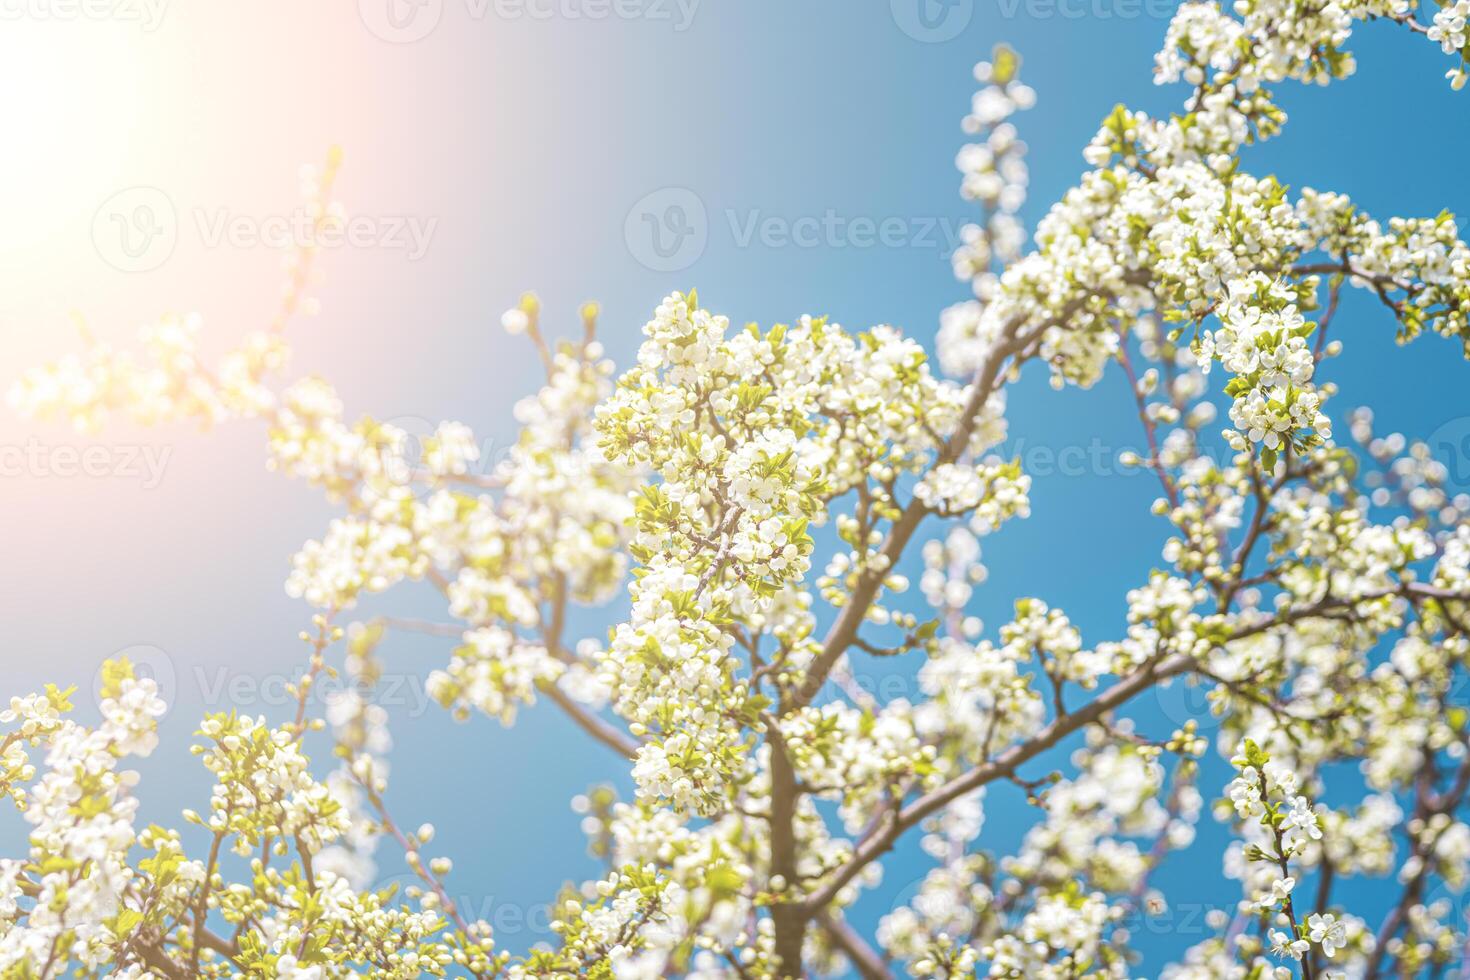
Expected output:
{"points": [[1317, 591]]}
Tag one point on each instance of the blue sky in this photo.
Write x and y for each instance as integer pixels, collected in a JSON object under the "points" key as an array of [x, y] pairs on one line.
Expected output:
{"points": [[530, 141]]}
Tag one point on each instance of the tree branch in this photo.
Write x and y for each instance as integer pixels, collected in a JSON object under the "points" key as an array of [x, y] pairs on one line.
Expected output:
{"points": [[864, 959], [844, 630], [885, 835]]}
